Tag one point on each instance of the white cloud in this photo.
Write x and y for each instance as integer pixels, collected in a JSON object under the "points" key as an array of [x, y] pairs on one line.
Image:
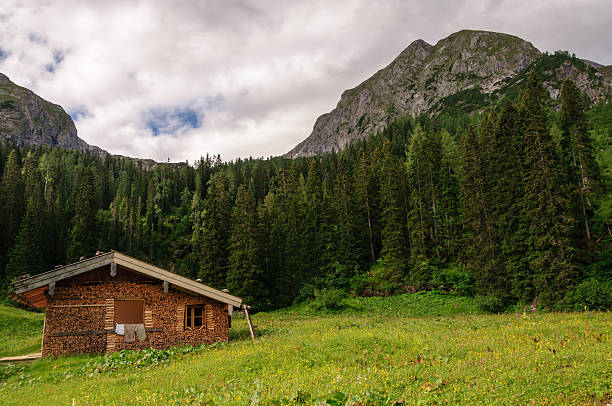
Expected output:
{"points": [[255, 74]]}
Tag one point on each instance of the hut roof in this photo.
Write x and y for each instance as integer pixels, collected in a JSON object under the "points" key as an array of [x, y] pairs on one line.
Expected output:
{"points": [[42, 280]]}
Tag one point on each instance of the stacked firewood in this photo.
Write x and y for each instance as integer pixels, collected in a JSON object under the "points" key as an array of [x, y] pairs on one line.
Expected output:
{"points": [[82, 310]]}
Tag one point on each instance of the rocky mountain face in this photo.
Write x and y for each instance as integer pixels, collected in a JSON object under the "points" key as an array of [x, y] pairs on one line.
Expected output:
{"points": [[27, 119], [467, 70]]}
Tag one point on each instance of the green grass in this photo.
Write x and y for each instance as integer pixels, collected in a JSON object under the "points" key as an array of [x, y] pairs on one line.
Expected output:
{"points": [[377, 355], [20, 331]]}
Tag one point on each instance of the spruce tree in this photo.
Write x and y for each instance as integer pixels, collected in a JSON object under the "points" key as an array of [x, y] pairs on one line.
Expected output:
{"points": [[551, 252], [365, 198], [508, 209], [394, 247], [345, 212], [581, 169], [312, 233], [84, 234], [475, 207], [245, 275], [25, 257], [214, 232], [11, 203]]}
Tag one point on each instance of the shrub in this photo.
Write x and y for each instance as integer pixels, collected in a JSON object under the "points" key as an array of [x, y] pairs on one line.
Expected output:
{"points": [[328, 299], [591, 294], [454, 278], [489, 303], [339, 276], [307, 292], [372, 283], [420, 275]]}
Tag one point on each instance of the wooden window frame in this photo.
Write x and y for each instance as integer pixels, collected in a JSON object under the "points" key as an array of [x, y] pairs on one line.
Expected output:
{"points": [[190, 309]]}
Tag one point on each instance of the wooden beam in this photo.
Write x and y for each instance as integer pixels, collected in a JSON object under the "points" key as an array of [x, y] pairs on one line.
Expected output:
{"points": [[96, 332], [62, 273], [246, 312], [151, 270], [79, 305], [51, 291], [165, 286], [113, 271]]}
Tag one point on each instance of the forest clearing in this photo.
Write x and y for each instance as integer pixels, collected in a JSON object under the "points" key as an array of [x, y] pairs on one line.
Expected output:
{"points": [[424, 348]]}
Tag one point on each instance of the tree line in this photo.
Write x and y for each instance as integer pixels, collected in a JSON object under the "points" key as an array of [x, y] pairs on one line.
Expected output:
{"points": [[509, 204]]}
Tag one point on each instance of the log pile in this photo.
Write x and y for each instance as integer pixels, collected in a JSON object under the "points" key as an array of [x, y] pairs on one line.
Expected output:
{"points": [[83, 308]]}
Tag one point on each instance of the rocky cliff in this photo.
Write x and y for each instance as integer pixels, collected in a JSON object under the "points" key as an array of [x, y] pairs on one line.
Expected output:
{"points": [[467, 70], [27, 119]]}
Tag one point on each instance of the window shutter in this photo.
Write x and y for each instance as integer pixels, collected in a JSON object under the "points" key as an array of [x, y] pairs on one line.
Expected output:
{"points": [[210, 319], [129, 311]]}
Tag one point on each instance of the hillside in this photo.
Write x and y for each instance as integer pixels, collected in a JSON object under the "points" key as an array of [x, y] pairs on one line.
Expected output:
{"points": [[466, 71]]}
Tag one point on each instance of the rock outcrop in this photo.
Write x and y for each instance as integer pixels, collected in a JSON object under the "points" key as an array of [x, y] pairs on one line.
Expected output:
{"points": [[466, 70], [27, 119]]}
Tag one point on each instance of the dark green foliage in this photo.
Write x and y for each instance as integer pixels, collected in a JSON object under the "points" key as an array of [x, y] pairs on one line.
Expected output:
{"points": [[453, 278], [25, 257], [11, 205], [551, 252], [328, 299], [393, 237], [489, 303], [579, 164], [591, 294], [214, 237], [245, 275], [496, 204], [84, 235]]}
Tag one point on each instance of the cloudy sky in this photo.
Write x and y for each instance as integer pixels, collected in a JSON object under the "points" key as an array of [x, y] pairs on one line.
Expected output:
{"points": [[177, 79]]}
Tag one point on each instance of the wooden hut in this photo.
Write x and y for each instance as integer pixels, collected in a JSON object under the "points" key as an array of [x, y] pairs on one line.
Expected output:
{"points": [[112, 302]]}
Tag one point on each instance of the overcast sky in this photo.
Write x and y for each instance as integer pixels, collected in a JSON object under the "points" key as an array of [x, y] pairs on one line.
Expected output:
{"points": [[179, 79]]}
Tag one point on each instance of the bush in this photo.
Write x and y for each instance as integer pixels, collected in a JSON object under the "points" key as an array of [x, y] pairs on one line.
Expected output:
{"points": [[328, 299], [372, 283], [420, 275], [454, 278], [307, 292], [489, 303], [339, 276], [591, 294]]}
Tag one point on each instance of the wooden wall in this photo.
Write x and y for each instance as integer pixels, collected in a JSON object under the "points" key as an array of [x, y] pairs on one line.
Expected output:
{"points": [[88, 308]]}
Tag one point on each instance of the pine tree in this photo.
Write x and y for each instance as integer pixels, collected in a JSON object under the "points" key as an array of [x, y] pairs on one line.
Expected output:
{"points": [[394, 247], [551, 253], [424, 169], [581, 170], [84, 235], [475, 207], [365, 199], [245, 275], [345, 212], [25, 257], [11, 202], [450, 222], [312, 233], [507, 206], [214, 232]]}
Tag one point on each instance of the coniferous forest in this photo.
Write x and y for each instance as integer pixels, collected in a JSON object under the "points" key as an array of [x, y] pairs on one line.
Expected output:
{"points": [[512, 205]]}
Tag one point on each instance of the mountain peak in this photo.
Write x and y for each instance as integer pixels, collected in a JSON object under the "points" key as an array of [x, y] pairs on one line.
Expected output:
{"points": [[467, 65], [27, 119]]}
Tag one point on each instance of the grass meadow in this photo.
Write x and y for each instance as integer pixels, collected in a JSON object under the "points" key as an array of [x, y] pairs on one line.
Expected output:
{"points": [[411, 349]]}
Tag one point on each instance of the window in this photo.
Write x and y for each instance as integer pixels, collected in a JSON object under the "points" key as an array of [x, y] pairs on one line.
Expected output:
{"points": [[194, 317], [129, 311]]}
